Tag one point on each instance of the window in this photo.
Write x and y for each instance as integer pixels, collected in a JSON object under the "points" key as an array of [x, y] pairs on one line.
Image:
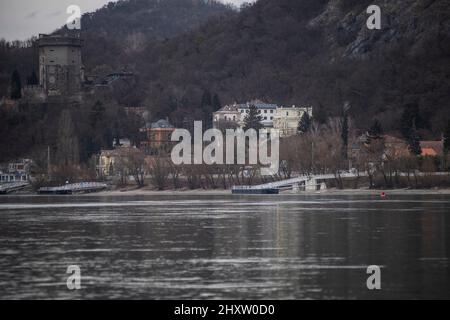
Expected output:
{"points": [[265, 118], [271, 111], [265, 111]]}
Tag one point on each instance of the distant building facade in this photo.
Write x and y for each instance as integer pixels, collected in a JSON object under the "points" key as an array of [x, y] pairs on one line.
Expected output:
{"points": [[111, 162], [158, 138], [265, 110], [287, 119], [227, 118], [16, 171], [234, 115], [33, 93], [107, 162]]}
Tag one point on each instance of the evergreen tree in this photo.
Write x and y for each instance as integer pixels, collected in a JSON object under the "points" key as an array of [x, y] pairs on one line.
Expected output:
{"points": [[376, 130], [216, 102], [206, 109], [344, 135], [206, 100], [32, 80], [447, 139], [414, 141], [101, 135], [320, 114], [97, 113], [305, 123], [410, 117], [446, 142], [16, 86], [253, 119]]}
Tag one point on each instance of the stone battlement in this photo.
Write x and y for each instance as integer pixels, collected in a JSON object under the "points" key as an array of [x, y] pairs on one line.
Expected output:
{"points": [[58, 40]]}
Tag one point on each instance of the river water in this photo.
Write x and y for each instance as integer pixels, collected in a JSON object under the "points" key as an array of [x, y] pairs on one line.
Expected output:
{"points": [[225, 247]]}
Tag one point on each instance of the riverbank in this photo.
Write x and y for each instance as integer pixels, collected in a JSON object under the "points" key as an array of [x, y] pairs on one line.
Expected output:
{"points": [[132, 192], [148, 192]]}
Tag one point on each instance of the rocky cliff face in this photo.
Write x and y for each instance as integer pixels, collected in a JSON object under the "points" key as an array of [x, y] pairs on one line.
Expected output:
{"points": [[416, 25], [316, 52]]}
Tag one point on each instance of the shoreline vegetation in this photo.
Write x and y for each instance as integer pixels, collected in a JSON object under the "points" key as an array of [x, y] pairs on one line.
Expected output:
{"points": [[425, 183]]}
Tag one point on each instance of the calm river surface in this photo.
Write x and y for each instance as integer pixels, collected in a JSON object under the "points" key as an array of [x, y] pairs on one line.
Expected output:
{"points": [[225, 247]]}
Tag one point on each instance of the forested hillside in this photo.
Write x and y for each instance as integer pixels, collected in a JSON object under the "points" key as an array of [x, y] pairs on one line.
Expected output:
{"points": [[318, 53], [116, 32], [314, 52]]}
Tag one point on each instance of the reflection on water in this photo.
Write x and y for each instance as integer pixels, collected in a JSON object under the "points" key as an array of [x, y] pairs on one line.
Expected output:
{"points": [[225, 247]]}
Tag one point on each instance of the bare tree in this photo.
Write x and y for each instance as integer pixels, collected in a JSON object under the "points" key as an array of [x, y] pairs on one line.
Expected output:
{"points": [[175, 172], [159, 169], [131, 161]]}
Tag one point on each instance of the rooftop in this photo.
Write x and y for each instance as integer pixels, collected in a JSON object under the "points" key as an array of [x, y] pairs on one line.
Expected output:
{"points": [[59, 40], [432, 148], [161, 124], [258, 105], [229, 109]]}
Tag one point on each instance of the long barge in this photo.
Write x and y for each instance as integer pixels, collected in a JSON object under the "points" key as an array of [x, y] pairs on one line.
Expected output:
{"points": [[252, 190]]}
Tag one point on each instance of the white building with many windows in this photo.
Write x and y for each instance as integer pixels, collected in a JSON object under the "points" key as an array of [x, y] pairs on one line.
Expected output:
{"points": [[234, 115], [265, 110], [286, 119]]}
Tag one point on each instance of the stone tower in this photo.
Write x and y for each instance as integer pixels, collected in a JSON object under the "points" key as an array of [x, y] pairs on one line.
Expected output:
{"points": [[60, 66]]}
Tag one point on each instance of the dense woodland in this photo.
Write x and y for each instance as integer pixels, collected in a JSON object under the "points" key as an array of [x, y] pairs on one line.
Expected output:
{"points": [[317, 53], [191, 57]]}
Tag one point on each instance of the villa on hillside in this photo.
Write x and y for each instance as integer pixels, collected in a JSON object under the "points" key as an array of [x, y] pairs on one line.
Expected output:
{"points": [[234, 115], [227, 118], [158, 138], [285, 119]]}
